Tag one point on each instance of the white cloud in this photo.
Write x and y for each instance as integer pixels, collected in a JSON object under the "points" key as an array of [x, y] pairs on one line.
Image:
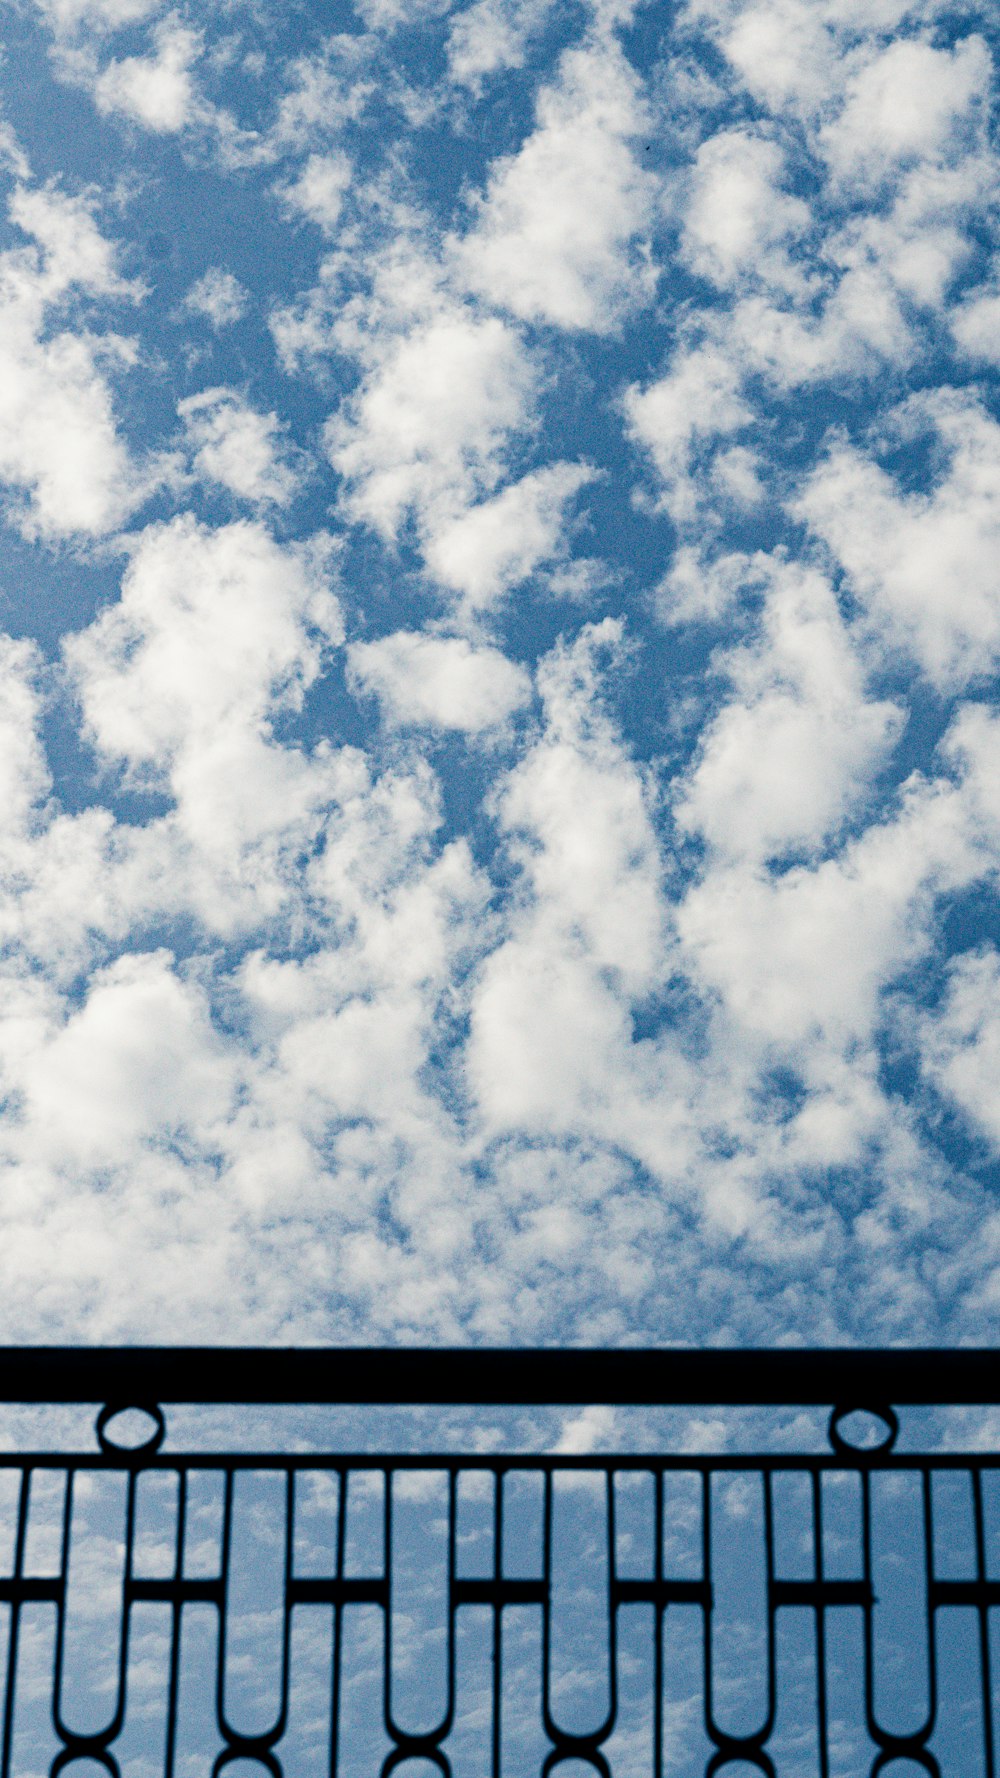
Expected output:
{"points": [[860, 328], [738, 218], [800, 959], [12, 155], [219, 296], [216, 632], [559, 235], [237, 447], [490, 547], [73, 250], [318, 191], [793, 750], [24, 774], [891, 138], [924, 564], [960, 1042], [491, 35], [735, 473], [782, 51], [699, 399], [975, 323], [137, 1063], [702, 587], [388, 15], [440, 682], [210, 631], [428, 425], [67, 16], [862, 279], [157, 91], [788, 53], [323, 92], [551, 1052], [59, 440], [909, 103]]}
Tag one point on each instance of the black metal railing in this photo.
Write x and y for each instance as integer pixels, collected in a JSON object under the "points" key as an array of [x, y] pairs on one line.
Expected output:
{"points": [[791, 1611]]}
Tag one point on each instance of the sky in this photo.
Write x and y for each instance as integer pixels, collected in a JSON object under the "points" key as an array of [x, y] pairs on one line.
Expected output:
{"points": [[500, 625]]}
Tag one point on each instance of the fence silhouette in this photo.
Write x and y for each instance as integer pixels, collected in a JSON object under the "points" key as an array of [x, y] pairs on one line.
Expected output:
{"points": [[822, 1611]]}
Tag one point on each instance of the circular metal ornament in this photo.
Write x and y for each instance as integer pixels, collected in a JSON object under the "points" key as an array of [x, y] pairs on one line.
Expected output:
{"points": [[880, 1411], [147, 1446]]}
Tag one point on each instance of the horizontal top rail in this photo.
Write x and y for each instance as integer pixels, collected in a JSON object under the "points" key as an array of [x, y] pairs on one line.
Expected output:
{"points": [[668, 1376]]}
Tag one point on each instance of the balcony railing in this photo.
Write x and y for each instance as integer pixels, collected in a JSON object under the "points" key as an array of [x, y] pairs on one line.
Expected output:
{"points": [[824, 1606]]}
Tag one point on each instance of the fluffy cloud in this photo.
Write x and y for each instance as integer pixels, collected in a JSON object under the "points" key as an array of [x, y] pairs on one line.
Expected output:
{"points": [[216, 632], [491, 35], [25, 775], [976, 323], [804, 956], [157, 91], [318, 191], [960, 1043], [699, 400], [901, 551], [492, 546], [738, 218], [217, 295], [559, 234], [426, 430], [801, 957], [212, 626], [909, 103], [66, 16], [73, 252], [236, 447], [59, 438], [440, 682], [788, 53], [139, 1061], [797, 743], [551, 1047], [890, 140]]}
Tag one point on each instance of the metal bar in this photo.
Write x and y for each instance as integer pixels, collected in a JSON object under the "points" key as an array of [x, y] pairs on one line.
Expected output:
{"points": [[767, 1462], [133, 1375]]}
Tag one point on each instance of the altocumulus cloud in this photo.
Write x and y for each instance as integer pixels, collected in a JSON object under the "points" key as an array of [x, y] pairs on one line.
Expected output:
{"points": [[500, 761]]}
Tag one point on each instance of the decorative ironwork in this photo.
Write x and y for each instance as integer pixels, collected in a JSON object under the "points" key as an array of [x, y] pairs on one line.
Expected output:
{"points": [[790, 1612]]}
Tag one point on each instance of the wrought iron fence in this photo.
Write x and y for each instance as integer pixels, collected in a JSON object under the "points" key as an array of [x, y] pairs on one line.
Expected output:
{"points": [[829, 1612]]}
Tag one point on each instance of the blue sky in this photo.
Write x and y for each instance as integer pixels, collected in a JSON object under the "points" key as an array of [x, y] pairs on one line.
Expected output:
{"points": [[500, 520]]}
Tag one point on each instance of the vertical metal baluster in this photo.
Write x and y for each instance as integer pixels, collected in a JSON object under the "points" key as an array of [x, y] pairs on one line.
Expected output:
{"points": [[658, 1626], [387, 1607], [176, 1608], [822, 1727], [929, 1613], [546, 1595], [983, 1615], [498, 1482], [450, 1595], [57, 1670], [286, 1606], [15, 1622], [338, 1609], [985, 1664], [772, 1685], [119, 1721], [864, 1475], [706, 1565], [612, 1610], [223, 1607]]}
